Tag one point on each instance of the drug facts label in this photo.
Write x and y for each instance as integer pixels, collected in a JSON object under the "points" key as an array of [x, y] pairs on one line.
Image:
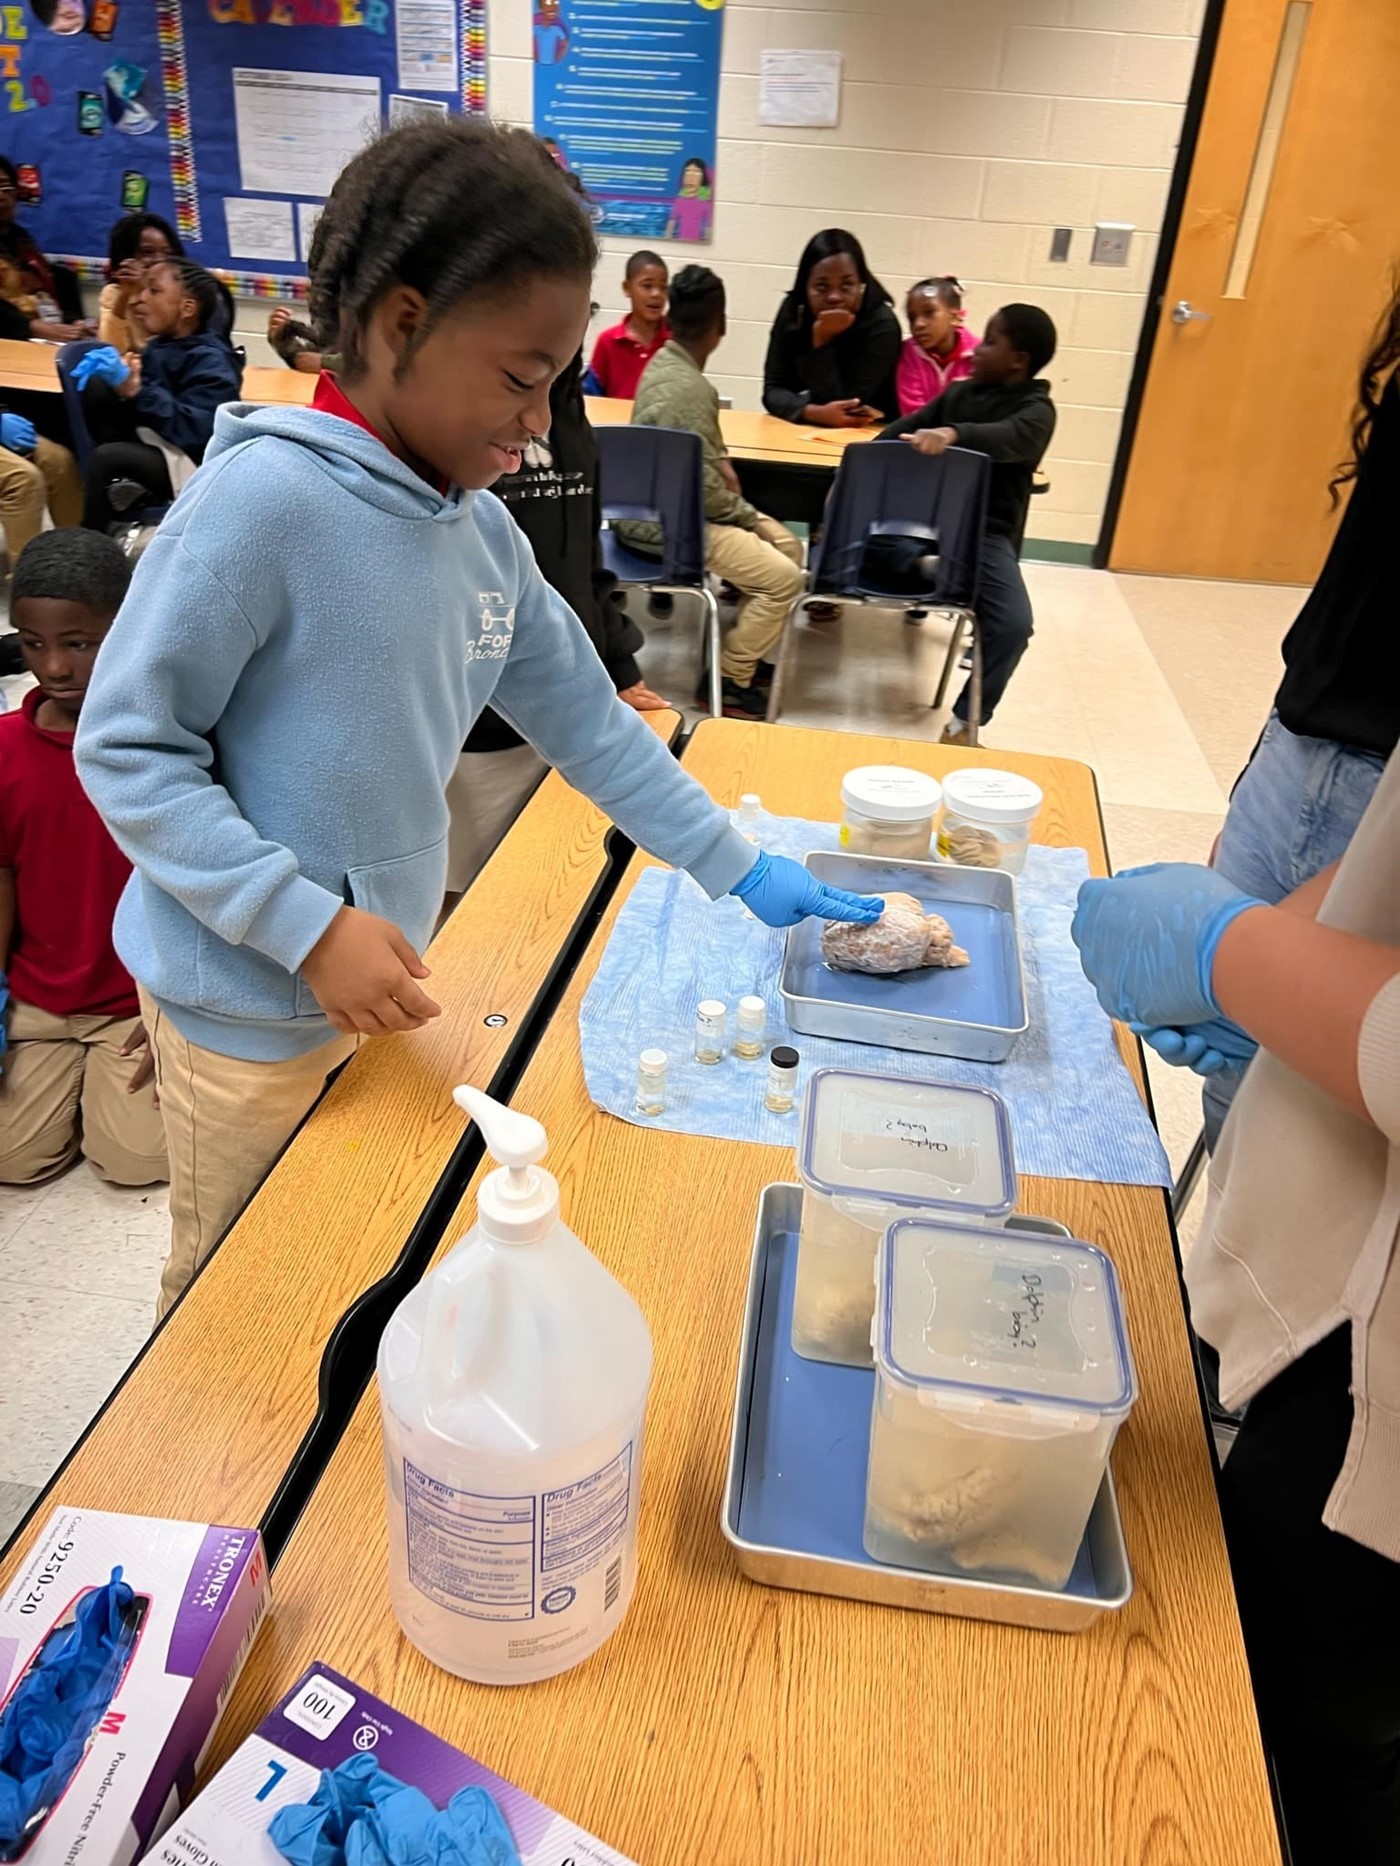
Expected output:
{"points": [[511, 1558]]}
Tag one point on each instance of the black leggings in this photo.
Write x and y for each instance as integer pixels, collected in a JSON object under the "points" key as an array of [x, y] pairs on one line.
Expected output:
{"points": [[1320, 1614], [118, 455]]}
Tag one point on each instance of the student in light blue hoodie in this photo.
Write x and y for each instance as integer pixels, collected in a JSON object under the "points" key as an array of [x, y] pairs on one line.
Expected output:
{"points": [[327, 609]]}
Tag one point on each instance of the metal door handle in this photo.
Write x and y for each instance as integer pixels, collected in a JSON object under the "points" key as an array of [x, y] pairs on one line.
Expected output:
{"points": [[1182, 313]]}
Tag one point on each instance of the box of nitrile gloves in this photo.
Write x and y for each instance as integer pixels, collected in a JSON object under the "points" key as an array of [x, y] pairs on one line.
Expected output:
{"points": [[111, 1683], [326, 1721]]}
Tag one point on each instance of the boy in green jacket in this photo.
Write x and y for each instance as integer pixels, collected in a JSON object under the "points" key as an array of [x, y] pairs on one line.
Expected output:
{"points": [[760, 557]]}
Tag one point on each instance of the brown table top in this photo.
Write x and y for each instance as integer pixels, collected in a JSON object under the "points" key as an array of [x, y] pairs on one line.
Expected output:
{"points": [[211, 1416], [735, 1723]]}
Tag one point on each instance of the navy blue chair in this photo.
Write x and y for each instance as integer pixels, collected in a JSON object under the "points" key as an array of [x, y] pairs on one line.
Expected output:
{"points": [[885, 489], [140, 516], [658, 474]]}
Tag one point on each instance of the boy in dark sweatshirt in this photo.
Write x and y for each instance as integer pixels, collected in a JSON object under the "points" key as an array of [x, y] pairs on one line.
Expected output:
{"points": [[1003, 412]]}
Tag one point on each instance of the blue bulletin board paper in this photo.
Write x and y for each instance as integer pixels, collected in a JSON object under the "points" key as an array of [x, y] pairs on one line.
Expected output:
{"points": [[237, 113], [628, 93]]}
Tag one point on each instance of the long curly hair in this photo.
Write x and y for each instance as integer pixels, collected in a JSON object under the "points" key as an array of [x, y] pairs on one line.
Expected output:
{"points": [[450, 208], [1375, 373]]}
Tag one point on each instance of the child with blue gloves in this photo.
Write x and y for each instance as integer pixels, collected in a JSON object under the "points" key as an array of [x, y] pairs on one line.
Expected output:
{"points": [[151, 413], [1295, 1281], [280, 705], [34, 473]]}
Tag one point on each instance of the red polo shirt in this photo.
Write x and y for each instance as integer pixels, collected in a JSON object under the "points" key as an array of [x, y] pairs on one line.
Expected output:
{"points": [[618, 359], [69, 875]]}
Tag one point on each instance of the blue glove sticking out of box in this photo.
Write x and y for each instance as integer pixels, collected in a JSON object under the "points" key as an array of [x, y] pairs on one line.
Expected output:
{"points": [[53, 1710], [363, 1816]]}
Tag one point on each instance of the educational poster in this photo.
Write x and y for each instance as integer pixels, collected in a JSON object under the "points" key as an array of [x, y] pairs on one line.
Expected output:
{"points": [[627, 94], [231, 118]]}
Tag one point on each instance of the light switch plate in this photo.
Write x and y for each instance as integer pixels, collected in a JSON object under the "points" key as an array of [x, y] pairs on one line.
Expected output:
{"points": [[1060, 238], [1110, 247]]}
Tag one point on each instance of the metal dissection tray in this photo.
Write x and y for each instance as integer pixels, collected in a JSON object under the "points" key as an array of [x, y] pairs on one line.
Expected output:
{"points": [[975, 1011], [794, 1500]]}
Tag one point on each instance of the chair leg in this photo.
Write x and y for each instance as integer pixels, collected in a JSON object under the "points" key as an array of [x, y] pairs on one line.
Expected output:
{"points": [[974, 688], [780, 666], [707, 596], [954, 643]]}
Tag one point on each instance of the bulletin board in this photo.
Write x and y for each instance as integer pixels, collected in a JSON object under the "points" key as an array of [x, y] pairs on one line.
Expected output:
{"points": [[230, 117], [627, 93]]}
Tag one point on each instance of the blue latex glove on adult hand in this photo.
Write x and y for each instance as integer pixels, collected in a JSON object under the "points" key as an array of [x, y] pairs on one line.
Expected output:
{"points": [[1147, 940], [17, 434], [780, 892], [1218, 1048], [101, 364]]}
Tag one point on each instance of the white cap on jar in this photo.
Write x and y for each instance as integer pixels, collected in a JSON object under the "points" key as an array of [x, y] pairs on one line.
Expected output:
{"points": [[890, 793], [992, 796]]}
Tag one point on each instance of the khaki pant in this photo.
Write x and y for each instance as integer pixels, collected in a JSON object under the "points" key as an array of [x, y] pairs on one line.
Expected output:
{"points": [[226, 1121], [765, 566], [49, 478], [64, 1091], [485, 794]]}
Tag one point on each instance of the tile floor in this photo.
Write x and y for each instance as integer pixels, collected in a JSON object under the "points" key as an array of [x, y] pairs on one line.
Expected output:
{"points": [[1160, 685]]}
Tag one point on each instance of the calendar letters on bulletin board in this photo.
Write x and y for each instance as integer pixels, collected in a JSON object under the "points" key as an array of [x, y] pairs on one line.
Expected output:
{"points": [[231, 118]]}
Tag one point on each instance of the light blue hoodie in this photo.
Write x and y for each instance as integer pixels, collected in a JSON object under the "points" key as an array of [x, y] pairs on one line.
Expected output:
{"points": [[277, 709]]}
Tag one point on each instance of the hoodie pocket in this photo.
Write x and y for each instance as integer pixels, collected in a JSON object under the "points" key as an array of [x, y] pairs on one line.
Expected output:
{"points": [[406, 890]]}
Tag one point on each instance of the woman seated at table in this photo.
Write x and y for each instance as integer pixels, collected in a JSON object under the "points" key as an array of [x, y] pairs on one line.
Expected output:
{"points": [[37, 299], [835, 342], [134, 245]]}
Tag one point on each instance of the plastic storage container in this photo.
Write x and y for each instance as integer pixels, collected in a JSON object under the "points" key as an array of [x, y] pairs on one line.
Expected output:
{"points": [[875, 1149], [513, 1385], [887, 810], [987, 818], [1002, 1376]]}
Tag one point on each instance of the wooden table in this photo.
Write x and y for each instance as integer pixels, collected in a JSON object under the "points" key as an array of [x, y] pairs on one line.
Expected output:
{"points": [[751, 435], [211, 1416], [733, 1723]]}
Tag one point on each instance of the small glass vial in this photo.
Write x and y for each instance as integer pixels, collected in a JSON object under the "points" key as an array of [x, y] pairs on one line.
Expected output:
{"points": [[782, 1080], [746, 817], [711, 1016], [751, 1024], [651, 1082]]}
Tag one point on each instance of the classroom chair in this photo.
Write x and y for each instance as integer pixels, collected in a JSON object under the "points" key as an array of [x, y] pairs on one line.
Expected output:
{"points": [[658, 474], [884, 489]]}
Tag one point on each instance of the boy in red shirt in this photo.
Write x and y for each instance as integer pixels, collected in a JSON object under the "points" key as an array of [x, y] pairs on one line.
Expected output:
{"points": [[623, 352], [77, 1075]]}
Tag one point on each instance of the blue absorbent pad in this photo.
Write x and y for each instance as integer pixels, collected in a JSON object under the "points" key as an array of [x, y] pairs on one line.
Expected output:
{"points": [[1075, 1111]]}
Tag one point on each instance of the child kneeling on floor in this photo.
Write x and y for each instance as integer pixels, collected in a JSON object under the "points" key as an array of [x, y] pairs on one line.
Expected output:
{"points": [[75, 1072], [759, 556], [310, 637]]}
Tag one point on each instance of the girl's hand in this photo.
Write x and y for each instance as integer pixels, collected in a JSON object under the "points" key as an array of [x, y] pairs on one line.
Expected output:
{"points": [[829, 324], [131, 384], [146, 1068], [59, 333], [932, 441], [835, 414], [276, 319], [640, 697], [363, 973]]}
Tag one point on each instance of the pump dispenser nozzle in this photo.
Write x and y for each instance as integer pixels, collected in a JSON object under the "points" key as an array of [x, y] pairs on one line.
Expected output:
{"points": [[519, 1202]]}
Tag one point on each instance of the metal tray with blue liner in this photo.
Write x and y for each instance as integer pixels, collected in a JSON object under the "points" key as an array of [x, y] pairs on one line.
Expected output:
{"points": [[794, 1498], [975, 1012]]}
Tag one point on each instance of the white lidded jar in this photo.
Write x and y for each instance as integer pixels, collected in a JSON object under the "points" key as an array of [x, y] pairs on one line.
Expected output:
{"points": [[987, 818], [513, 1386], [888, 810]]}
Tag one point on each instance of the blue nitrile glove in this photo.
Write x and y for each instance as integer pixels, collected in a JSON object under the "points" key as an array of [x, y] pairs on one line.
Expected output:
{"points": [[1217, 1048], [17, 434], [1147, 940], [780, 892], [360, 1815], [101, 364]]}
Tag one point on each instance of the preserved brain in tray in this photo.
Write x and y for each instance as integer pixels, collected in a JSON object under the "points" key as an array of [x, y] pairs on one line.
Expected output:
{"points": [[903, 938]]}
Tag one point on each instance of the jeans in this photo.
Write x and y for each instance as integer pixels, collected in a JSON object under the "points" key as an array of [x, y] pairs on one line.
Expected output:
{"points": [[1292, 814], [1004, 621], [1315, 1606], [118, 453]]}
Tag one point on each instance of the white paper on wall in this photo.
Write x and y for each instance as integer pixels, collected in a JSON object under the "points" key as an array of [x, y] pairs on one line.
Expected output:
{"points": [[800, 90]]}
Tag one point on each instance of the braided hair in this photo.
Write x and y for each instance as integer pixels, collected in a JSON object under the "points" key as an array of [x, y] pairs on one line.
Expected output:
{"points": [[449, 208], [211, 296]]}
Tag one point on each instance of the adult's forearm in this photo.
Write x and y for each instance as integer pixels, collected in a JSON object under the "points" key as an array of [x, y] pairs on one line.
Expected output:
{"points": [[1303, 991]]}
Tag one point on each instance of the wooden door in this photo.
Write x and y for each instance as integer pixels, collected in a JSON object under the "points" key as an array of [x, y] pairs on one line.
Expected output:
{"points": [[1284, 258]]}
